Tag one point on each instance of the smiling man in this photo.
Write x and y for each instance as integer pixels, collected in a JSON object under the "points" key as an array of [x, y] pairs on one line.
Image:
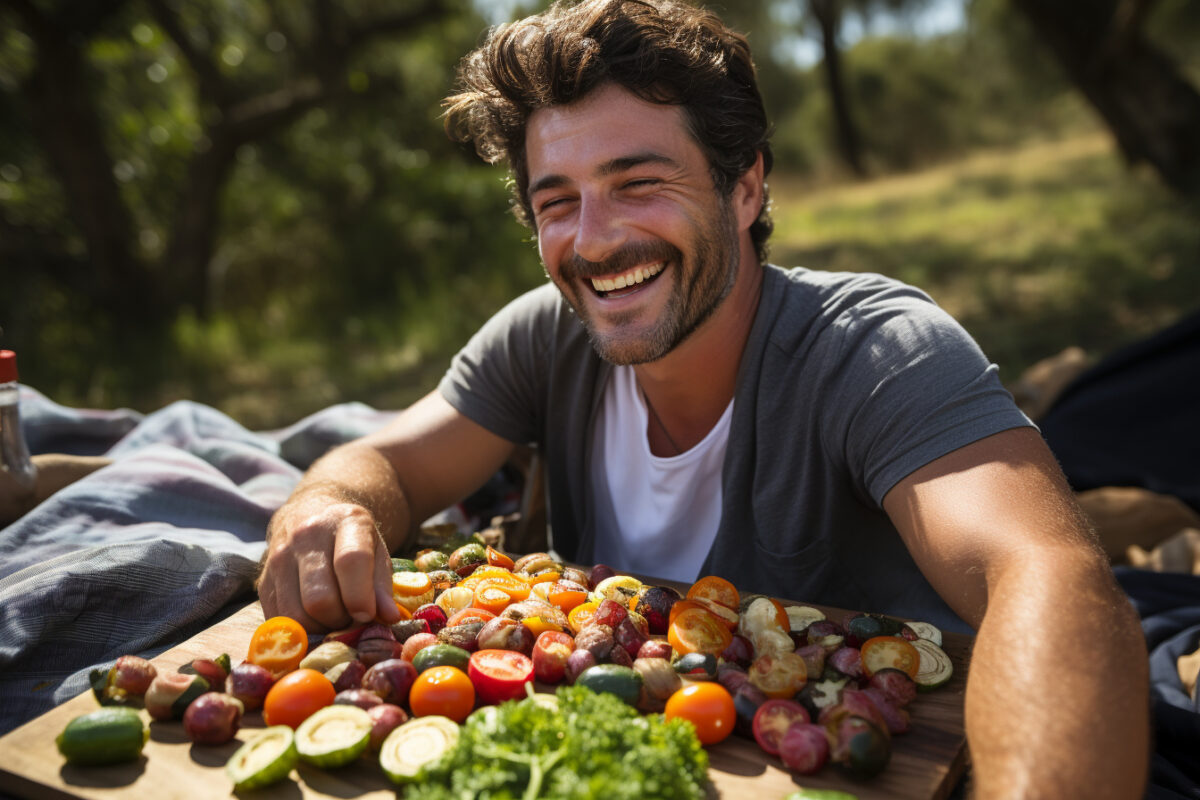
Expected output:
{"points": [[834, 438]]}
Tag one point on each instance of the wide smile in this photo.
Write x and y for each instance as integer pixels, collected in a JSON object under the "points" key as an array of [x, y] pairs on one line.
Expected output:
{"points": [[628, 281]]}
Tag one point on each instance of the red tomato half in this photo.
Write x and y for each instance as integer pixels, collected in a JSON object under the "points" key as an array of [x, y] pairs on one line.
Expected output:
{"points": [[499, 675], [696, 630], [889, 651], [772, 720], [708, 706], [297, 696]]}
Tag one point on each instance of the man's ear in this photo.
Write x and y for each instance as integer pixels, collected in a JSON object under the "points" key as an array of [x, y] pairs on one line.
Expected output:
{"points": [[748, 194]]}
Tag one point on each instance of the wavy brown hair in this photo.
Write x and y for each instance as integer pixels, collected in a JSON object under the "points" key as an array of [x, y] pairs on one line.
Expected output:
{"points": [[663, 51]]}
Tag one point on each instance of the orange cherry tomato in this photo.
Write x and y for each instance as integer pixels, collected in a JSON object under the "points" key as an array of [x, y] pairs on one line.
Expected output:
{"points": [[278, 645], [728, 616], [514, 585], [469, 614], [474, 579], [581, 615], [889, 651], [683, 605], [549, 576], [297, 696], [538, 625], [696, 630], [491, 598], [442, 690], [708, 706], [497, 559], [566, 595], [717, 589]]}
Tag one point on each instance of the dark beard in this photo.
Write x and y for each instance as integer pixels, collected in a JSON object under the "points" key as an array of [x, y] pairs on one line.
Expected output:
{"points": [[714, 256]]}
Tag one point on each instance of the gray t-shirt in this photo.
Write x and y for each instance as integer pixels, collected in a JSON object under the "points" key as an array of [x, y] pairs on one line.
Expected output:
{"points": [[848, 383]]}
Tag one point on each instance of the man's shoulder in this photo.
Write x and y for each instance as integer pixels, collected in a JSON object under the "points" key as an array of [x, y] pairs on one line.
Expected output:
{"points": [[806, 305]]}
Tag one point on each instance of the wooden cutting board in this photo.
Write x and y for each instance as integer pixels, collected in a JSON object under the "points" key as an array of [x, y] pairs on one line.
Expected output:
{"points": [[927, 762]]}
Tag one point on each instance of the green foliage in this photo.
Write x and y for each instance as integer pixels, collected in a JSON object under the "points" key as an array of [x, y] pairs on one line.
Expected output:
{"points": [[591, 745], [1033, 249]]}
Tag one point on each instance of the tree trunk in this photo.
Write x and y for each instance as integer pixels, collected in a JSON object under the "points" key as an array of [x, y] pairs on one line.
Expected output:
{"points": [[828, 16], [1151, 109]]}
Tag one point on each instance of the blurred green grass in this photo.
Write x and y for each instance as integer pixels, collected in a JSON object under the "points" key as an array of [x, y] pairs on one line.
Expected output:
{"points": [[1033, 249]]}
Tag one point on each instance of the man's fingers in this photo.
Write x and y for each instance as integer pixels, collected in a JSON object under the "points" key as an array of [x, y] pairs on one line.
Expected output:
{"points": [[318, 591], [279, 592], [354, 563], [384, 604]]}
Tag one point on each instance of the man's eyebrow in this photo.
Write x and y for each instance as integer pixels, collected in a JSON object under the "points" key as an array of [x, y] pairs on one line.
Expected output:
{"points": [[612, 167]]}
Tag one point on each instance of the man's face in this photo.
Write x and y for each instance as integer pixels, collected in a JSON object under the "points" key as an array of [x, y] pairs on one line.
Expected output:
{"points": [[630, 227]]}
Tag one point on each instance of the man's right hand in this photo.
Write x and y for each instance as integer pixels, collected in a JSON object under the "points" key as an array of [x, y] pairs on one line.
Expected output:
{"points": [[326, 566]]}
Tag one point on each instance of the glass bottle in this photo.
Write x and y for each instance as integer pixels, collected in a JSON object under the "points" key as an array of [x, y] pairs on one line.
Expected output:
{"points": [[14, 454]]}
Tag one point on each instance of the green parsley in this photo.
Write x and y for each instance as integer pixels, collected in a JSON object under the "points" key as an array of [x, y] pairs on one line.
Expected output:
{"points": [[590, 745]]}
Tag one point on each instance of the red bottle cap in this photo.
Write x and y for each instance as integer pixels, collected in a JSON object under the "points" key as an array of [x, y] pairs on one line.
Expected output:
{"points": [[8, 366]]}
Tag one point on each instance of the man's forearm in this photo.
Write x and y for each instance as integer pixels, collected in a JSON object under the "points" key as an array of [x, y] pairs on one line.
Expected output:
{"points": [[1057, 699], [354, 473]]}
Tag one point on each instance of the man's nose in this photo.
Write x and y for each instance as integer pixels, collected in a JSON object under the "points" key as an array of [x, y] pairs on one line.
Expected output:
{"points": [[599, 231]]}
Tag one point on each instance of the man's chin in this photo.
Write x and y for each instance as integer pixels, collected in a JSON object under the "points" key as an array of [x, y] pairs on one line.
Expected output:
{"points": [[628, 351]]}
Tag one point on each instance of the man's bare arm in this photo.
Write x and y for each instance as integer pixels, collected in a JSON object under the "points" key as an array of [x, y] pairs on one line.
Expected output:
{"points": [[329, 546], [1057, 702]]}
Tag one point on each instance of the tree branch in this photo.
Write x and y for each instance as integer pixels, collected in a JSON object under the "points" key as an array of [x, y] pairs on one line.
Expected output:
{"points": [[213, 88]]}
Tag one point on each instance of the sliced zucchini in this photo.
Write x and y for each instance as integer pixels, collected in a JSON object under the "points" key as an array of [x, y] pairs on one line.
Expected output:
{"points": [[415, 745], [334, 736], [265, 759], [926, 631], [800, 617], [935, 668]]}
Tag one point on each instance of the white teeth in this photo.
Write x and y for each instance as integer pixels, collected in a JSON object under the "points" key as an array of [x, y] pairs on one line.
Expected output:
{"points": [[636, 275]]}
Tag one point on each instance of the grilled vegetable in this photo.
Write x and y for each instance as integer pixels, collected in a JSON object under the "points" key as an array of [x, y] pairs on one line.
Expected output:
{"points": [[107, 736], [334, 736], [935, 668], [265, 759], [416, 745]]}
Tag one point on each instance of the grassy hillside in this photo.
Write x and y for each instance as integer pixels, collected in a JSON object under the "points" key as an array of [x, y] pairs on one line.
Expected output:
{"points": [[1032, 249]]}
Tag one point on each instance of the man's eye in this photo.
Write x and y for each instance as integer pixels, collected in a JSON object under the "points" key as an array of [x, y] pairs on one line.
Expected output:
{"points": [[640, 183]]}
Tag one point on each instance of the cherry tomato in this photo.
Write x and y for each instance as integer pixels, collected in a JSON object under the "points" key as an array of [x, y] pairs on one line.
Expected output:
{"points": [[297, 696], [772, 720], [889, 651], [499, 675], [513, 585], [696, 630], [566, 595], [497, 559], [581, 615], [728, 616], [491, 598], [708, 706], [779, 675], [469, 614], [278, 645], [442, 690], [550, 653], [717, 589]]}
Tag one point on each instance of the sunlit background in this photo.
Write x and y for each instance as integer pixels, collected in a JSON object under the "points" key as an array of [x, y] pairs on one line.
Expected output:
{"points": [[254, 204]]}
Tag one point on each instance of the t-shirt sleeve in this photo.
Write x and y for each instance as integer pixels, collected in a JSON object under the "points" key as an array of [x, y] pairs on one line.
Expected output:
{"points": [[498, 379], [916, 387]]}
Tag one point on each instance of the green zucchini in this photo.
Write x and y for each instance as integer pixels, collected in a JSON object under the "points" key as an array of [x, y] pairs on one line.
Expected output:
{"points": [[935, 668], [441, 655], [416, 744], [624, 682], [821, 794], [334, 736], [108, 736], [265, 759]]}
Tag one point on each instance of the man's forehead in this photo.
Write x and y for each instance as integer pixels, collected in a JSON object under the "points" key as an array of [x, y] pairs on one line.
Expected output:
{"points": [[609, 130]]}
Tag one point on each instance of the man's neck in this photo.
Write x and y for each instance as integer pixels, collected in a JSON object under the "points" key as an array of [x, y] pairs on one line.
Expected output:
{"points": [[690, 387]]}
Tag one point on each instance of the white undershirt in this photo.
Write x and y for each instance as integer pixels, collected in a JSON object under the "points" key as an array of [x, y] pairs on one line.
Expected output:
{"points": [[655, 516]]}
